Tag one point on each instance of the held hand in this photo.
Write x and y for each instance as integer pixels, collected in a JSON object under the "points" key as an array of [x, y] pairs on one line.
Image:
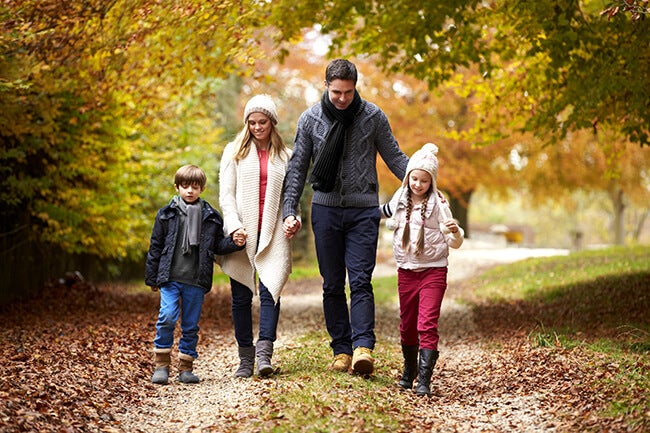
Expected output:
{"points": [[154, 289], [290, 226], [239, 237]]}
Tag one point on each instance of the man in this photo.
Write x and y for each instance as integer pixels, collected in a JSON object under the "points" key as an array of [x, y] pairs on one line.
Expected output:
{"points": [[342, 135]]}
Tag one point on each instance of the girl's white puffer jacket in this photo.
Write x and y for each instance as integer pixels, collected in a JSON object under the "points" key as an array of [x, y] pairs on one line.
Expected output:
{"points": [[437, 238]]}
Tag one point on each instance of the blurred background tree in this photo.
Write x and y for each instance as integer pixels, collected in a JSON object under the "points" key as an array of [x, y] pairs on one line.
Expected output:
{"points": [[538, 110], [102, 101]]}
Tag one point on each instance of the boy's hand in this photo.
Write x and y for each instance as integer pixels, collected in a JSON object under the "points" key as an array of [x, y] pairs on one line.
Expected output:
{"points": [[239, 237]]}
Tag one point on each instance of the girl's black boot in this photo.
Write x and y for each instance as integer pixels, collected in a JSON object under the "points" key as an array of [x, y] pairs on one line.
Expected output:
{"points": [[410, 372], [428, 360]]}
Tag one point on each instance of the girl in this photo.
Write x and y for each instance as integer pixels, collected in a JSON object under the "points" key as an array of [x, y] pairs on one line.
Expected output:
{"points": [[252, 173], [424, 229]]}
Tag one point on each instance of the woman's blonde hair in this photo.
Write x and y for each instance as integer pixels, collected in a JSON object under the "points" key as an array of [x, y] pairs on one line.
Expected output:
{"points": [[244, 140]]}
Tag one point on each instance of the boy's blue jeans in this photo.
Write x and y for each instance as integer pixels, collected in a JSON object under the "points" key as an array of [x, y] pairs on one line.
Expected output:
{"points": [[242, 316], [346, 240], [186, 300]]}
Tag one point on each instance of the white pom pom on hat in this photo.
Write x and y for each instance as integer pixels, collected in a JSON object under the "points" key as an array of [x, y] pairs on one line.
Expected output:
{"points": [[424, 159], [261, 104]]}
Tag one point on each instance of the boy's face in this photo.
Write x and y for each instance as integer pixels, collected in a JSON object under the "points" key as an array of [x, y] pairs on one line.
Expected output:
{"points": [[189, 193]]}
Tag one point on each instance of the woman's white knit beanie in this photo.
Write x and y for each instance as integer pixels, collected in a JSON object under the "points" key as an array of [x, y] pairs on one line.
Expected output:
{"points": [[261, 104]]}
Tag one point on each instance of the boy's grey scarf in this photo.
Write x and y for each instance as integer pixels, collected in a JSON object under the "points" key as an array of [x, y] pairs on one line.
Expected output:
{"points": [[326, 166], [192, 231]]}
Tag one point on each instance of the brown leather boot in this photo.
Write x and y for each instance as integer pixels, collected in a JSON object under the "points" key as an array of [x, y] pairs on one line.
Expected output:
{"points": [[185, 363], [162, 360]]}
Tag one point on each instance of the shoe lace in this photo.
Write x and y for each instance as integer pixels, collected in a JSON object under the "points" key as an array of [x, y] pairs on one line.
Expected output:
{"points": [[364, 350]]}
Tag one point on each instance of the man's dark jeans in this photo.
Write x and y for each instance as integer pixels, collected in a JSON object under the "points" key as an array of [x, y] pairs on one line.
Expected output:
{"points": [[346, 240]]}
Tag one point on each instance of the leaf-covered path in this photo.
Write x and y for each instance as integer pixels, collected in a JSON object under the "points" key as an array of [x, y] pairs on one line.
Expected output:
{"points": [[78, 360], [464, 401]]}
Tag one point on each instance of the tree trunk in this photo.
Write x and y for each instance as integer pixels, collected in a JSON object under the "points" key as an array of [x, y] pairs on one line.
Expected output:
{"points": [[639, 226], [618, 201], [459, 208]]}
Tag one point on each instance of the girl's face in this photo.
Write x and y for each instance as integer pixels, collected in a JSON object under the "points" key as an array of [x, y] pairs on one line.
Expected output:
{"points": [[189, 193], [419, 183], [260, 126]]}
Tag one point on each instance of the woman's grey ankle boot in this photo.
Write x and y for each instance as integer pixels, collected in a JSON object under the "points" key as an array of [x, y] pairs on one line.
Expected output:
{"points": [[264, 351], [246, 361]]}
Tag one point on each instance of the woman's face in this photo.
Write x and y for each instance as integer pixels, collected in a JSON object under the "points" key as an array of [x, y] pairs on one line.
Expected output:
{"points": [[260, 126]]}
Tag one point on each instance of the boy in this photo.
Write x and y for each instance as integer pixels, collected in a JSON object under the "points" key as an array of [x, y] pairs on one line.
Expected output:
{"points": [[187, 233]]}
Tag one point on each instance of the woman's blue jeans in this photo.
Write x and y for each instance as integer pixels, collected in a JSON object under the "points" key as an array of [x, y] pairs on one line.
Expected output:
{"points": [[184, 300], [242, 315]]}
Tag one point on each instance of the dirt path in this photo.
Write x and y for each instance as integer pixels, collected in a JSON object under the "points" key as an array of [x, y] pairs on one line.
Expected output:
{"points": [[461, 404]]}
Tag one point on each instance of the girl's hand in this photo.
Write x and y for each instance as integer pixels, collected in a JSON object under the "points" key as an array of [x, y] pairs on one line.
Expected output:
{"points": [[451, 225]]}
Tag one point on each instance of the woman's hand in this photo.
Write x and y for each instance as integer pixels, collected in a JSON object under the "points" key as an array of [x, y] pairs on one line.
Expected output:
{"points": [[291, 225], [239, 236]]}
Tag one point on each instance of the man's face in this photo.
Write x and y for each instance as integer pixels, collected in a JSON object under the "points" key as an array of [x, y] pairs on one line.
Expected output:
{"points": [[340, 92]]}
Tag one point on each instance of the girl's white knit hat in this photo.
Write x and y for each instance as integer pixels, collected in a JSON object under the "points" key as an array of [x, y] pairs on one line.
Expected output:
{"points": [[261, 104], [424, 159]]}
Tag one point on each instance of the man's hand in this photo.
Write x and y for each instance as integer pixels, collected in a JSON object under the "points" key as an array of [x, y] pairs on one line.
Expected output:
{"points": [[291, 225]]}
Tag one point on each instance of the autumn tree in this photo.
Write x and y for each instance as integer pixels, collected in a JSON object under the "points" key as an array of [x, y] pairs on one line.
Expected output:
{"points": [[562, 66], [91, 93], [552, 69], [596, 163]]}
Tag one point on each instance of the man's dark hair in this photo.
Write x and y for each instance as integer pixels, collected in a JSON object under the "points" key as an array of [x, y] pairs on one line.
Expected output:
{"points": [[341, 69]]}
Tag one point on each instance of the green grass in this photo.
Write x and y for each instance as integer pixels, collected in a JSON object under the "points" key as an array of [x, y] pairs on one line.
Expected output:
{"points": [[550, 276], [306, 398], [603, 293], [385, 289], [597, 301]]}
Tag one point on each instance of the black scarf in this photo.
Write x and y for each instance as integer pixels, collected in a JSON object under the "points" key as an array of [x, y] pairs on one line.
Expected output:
{"points": [[326, 166]]}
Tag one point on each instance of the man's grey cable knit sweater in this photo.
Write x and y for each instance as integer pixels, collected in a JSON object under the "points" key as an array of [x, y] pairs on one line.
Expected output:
{"points": [[356, 185]]}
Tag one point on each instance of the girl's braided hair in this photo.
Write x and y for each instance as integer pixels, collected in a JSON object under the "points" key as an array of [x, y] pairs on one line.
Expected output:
{"points": [[406, 236]]}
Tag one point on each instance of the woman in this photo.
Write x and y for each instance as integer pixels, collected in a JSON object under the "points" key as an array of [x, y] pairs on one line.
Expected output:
{"points": [[252, 173]]}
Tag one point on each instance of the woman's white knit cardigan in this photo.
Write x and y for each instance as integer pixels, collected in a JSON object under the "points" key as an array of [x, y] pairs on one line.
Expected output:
{"points": [[239, 191]]}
